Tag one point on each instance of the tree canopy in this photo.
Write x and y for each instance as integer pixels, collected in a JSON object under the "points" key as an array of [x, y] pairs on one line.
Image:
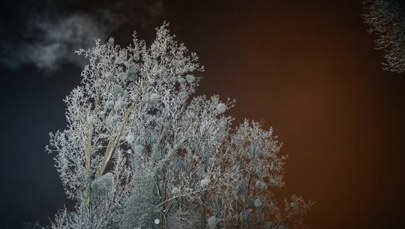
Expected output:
{"points": [[142, 150]]}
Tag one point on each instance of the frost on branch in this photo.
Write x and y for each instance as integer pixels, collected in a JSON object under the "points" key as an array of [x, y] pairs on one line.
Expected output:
{"points": [[141, 148], [101, 186], [386, 19]]}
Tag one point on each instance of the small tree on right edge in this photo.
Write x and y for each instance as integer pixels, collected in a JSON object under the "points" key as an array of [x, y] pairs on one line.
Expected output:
{"points": [[386, 19]]}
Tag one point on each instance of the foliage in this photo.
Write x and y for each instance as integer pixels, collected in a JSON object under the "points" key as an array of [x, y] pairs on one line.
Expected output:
{"points": [[386, 19], [141, 151]]}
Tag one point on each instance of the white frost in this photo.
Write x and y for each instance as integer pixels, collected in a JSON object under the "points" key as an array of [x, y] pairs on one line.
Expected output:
{"points": [[221, 108], [154, 97], [258, 203], [212, 222], [205, 182]]}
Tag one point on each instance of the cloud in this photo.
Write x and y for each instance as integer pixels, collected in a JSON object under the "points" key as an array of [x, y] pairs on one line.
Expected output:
{"points": [[56, 41], [45, 34]]}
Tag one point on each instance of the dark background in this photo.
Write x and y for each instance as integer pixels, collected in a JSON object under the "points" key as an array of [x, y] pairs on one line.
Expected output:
{"points": [[306, 68]]}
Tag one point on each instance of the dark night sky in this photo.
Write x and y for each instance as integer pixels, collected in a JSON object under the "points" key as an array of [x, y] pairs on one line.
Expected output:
{"points": [[307, 68]]}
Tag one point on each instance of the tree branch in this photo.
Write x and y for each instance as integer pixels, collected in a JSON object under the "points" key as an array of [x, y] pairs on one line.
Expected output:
{"points": [[89, 150], [112, 143]]}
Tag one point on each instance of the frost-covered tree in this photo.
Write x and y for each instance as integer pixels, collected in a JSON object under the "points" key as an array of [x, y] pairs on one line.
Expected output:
{"points": [[386, 19], [142, 151]]}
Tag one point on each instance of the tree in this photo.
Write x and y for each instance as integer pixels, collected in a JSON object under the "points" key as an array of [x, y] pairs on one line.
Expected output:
{"points": [[140, 150], [386, 19]]}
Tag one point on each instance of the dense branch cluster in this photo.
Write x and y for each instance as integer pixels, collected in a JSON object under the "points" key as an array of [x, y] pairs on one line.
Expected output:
{"points": [[140, 150], [386, 19]]}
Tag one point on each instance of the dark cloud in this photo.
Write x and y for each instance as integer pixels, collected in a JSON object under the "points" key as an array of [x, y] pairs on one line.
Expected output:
{"points": [[45, 33]]}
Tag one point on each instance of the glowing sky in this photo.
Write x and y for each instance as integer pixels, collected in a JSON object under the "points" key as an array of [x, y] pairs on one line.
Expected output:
{"points": [[306, 68]]}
